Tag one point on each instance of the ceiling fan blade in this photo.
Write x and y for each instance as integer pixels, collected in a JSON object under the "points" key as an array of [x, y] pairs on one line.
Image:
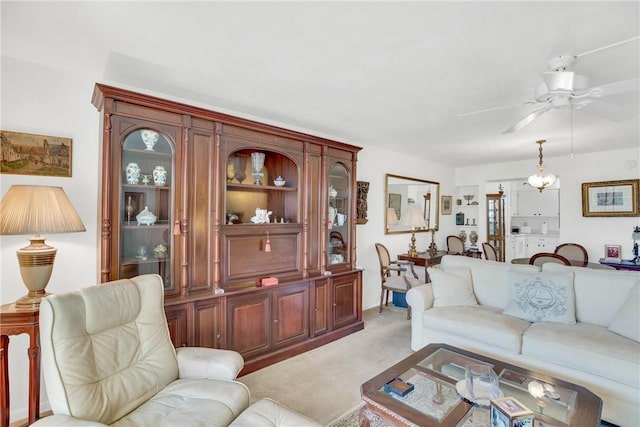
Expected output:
{"points": [[527, 119], [504, 107], [614, 88], [607, 111]]}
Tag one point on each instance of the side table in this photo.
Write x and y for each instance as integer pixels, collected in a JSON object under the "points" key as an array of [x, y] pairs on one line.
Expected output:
{"points": [[16, 322], [424, 260]]}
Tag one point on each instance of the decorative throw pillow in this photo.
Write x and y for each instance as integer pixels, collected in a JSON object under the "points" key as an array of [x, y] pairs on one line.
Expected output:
{"points": [[626, 322], [539, 297], [452, 288]]}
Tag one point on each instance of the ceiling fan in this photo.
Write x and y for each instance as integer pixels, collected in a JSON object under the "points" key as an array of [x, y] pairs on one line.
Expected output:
{"points": [[562, 88]]}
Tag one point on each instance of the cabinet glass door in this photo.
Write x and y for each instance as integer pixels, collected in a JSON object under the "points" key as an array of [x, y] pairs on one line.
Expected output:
{"points": [[338, 212], [495, 223], [146, 200]]}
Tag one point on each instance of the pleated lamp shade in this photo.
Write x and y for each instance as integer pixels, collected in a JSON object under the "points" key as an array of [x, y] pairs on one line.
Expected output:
{"points": [[33, 209]]}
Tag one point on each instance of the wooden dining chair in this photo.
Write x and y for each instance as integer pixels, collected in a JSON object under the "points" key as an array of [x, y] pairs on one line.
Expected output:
{"points": [[489, 251], [544, 257], [396, 276], [573, 252], [455, 245]]}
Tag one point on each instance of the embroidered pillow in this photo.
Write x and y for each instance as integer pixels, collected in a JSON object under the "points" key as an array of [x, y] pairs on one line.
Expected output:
{"points": [[452, 288], [542, 297], [626, 322]]}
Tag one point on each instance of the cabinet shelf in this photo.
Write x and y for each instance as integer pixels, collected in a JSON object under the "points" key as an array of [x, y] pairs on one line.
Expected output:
{"points": [[159, 225], [252, 187], [146, 153], [150, 260], [145, 187]]}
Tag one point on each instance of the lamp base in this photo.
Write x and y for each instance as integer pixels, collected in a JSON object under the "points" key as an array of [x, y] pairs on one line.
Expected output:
{"points": [[413, 251], [30, 301], [36, 264]]}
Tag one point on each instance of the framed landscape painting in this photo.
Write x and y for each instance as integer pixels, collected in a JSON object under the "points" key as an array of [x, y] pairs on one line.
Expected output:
{"points": [[611, 198], [29, 154]]}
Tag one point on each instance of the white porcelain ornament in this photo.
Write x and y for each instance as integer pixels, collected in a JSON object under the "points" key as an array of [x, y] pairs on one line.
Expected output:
{"points": [[133, 173], [149, 138], [159, 175], [262, 216]]}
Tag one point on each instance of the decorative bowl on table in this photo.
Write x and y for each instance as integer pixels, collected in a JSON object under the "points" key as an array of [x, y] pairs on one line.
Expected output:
{"points": [[279, 182]]}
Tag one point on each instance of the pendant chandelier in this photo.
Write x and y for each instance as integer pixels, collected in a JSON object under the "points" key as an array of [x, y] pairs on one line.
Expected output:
{"points": [[540, 181]]}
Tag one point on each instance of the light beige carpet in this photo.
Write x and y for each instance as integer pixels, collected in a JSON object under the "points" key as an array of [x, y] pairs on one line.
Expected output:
{"points": [[324, 383]]}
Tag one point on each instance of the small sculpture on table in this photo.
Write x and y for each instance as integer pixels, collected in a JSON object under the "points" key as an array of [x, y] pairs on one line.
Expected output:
{"points": [[261, 217]]}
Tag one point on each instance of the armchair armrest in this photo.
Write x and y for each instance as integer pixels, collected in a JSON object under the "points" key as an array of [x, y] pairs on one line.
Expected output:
{"points": [[201, 362], [420, 299], [65, 421]]}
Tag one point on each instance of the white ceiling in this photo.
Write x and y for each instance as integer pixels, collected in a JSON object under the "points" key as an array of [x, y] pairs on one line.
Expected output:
{"points": [[387, 74]]}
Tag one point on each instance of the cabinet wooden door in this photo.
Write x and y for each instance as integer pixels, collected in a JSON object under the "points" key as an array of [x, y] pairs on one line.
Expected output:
{"points": [[290, 314], [319, 307], [177, 323], [209, 323], [249, 323], [345, 300]]}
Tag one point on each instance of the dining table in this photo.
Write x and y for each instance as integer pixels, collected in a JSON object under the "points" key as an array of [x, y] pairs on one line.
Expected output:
{"points": [[574, 263]]}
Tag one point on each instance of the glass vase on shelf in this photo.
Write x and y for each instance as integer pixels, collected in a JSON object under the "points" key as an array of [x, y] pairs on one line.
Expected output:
{"points": [[257, 164]]}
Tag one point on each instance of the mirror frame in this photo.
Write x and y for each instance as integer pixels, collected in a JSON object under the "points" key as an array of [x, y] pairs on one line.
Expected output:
{"points": [[433, 207]]}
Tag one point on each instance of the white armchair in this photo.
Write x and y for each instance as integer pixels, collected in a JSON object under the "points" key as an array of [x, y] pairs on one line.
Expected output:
{"points": [[107, 359]]}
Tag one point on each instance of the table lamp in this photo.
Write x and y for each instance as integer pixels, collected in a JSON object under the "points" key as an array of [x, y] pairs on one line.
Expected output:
{"points": [[413, 218], [636, 236], [35, 209]]}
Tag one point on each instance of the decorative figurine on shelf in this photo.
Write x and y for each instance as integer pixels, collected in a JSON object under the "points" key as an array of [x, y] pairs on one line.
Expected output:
{"points": [[130, 208], [636, 237], [159, 175], [279, 181], [149, 138], [261, 217], [473, 238], [160, 251], [332, 191]]}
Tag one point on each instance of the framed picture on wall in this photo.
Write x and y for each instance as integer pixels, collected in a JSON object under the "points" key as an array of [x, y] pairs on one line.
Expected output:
{"points": [[446, 205], [29, 154], [611, 198]]}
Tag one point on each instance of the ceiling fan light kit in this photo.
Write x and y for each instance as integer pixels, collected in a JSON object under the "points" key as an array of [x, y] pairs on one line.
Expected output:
{"points": [[540, 181]]}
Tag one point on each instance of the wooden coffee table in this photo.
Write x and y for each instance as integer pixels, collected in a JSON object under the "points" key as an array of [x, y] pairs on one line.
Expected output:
{"points": [[434, 372]]}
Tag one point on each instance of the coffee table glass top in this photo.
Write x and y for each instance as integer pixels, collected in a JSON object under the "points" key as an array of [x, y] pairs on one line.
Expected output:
{"points": [[556, 402]]}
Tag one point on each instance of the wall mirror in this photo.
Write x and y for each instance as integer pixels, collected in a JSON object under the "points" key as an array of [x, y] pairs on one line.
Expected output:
{"points": [[411, 204]]}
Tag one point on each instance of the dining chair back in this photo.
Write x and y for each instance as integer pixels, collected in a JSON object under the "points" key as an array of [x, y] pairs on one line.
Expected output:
{"points": [[455, 245], [489, 251], [395, 276], [544, 257], [574, 252]]}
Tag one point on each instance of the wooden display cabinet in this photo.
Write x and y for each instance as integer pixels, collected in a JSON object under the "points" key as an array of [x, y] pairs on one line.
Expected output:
{"points": [[214, 254]]}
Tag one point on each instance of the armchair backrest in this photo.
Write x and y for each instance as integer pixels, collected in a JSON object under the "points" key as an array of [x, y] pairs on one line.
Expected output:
{"points": [[489, 251], [544, 257], [384, 259], [106, 348]]}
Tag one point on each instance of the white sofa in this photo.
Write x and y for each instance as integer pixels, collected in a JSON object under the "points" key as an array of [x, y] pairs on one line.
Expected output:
{"points": [[107, 359], [586, 352]]}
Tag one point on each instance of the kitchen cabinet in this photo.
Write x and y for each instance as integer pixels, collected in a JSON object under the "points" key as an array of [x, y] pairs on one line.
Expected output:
{"points": [[195, 196], [536, 244], [535, 203]]}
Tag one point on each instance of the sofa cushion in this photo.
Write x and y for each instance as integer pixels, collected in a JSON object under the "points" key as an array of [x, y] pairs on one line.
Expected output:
{"points": [[542, 296], [191, 402], [452, 287], [490, 278], [480, 323], [626, 322], [585, 347], [599, 293]]}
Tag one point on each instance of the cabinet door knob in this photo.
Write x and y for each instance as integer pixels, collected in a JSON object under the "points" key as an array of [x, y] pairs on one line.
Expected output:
{"points": [[275, 320]]}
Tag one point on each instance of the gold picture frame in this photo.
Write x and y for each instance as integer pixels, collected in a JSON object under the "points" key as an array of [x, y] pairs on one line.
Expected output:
{"points": [[31, 154], [611, 198]]}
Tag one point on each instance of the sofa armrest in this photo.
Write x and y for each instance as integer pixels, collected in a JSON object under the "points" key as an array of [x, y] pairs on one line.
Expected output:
{"points": [[420, 298], [201, 362], [65, 421]]}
